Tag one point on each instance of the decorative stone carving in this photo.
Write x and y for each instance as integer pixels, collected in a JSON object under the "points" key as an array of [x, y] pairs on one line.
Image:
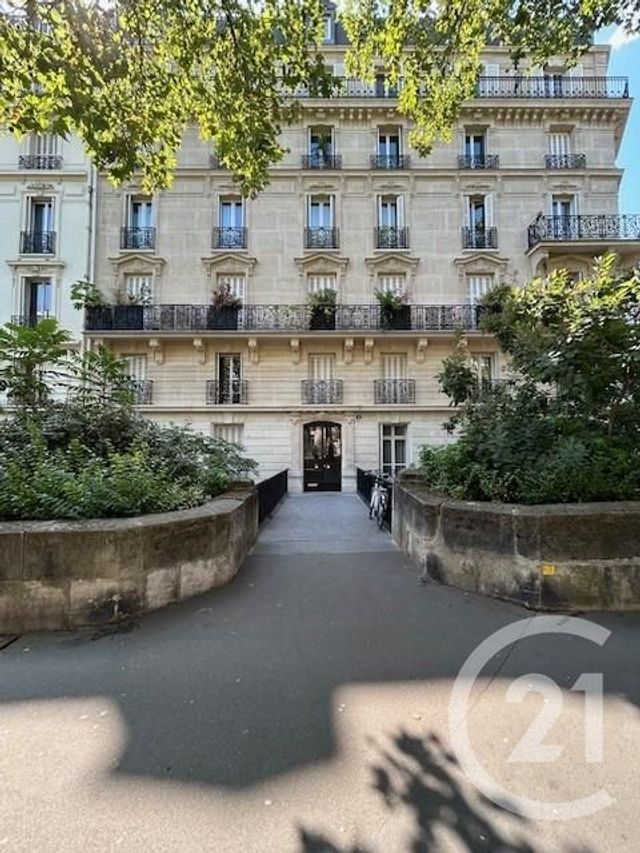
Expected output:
{"points": [[254, 355], [421, 350], [294, 343], [157, 350], [368, 350]]}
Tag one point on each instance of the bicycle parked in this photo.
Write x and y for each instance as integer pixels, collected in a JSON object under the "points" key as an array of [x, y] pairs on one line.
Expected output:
{"points": [[380, 496]]}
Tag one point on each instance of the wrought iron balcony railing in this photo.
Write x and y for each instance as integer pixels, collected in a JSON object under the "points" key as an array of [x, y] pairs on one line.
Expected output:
{"points": [[388, 237], [229, 393], [344, 87], [321, 391], [40, 161], [601, 226], [565, 161], [38, 242], [322, 161], [274, 318], [478, 161], [30, 320], [390, 161], [400, 391], [137, 238], [480, 238], [227, 237], [142, 390], [321, 238], [552, 86]]}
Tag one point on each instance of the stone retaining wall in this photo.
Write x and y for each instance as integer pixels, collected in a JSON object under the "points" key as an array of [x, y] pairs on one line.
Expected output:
{"points": [[64, 574], [554, 556]]}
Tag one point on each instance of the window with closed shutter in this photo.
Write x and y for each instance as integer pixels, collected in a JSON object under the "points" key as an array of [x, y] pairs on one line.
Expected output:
{"points": [[138, 288], [44, 144], [322, 281], [136, 367], [394, 365], [559, 143], [235, 283], [478, 286], [396, 283], [322, 367], [228, 432]]}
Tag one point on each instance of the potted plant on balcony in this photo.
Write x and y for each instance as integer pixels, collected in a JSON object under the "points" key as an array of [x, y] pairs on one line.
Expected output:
{"points": [[128, 309], [86, 296], [394, 311], [224, 308], [323, 309]]}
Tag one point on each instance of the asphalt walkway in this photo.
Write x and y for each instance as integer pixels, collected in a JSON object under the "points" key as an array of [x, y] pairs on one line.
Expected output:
{"points": [[304, 708]]}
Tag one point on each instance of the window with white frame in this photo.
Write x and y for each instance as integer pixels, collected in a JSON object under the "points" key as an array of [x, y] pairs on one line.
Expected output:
{"points": [[392, 283], [317, 282], [393, 365], [44, 144], [136, 370], [229, 378], [38, 300], [393, 448], [563, 205], [559, 143], [390, 143], [321, 143], [228, 432], [140, 212], [138, 288], [320, 212], [40, 215], [236, 282], [328, 24], [478, 285], [390, 211], [322, 366], [484, 366]]}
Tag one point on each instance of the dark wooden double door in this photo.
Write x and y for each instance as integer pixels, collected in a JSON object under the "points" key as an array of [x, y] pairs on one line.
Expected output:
{"points": [[322, 457]]}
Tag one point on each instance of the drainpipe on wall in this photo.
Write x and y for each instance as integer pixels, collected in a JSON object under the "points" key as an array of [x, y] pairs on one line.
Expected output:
{"points": [[91, 235]]}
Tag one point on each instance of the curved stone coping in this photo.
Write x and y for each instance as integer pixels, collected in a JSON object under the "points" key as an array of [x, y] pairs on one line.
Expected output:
{"points": [[63, 574], [547, 556]]}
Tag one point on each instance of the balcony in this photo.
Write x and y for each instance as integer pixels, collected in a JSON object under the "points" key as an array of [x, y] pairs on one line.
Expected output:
{"points": [[30, 320], [321, 238], [480, 238], [609, 227], [187, 318], [388, 237], [321, 392], [565, 161], [231, 393], [321, 161], [40, 161], [142, 390], [552, 87], [394, 391], [137, 238], [478, 161], [344, 87], [228, 237], [38, 242], [390, 161]]}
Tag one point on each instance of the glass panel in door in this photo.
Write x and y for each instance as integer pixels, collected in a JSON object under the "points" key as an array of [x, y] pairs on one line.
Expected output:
{"points": [[229, 378]]}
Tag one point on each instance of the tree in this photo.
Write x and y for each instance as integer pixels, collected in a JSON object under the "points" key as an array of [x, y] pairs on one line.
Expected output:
{"points": [[128, 76]]}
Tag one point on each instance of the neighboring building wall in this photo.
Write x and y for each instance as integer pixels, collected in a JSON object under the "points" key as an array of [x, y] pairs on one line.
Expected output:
{"points": [[54, 244]]}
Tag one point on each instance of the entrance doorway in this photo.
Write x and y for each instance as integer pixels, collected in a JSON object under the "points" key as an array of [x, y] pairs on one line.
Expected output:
{"points": [[322, 457]]}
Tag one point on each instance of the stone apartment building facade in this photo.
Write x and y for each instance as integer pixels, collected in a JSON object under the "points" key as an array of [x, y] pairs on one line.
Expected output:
{"points": [[528, 184]]}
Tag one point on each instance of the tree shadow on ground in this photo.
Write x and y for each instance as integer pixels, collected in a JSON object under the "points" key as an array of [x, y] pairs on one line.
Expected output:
{"points": [[420, 775]]}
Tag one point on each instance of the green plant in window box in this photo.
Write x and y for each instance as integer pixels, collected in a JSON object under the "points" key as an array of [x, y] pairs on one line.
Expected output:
{"points": [[323, 305], [394, 309]]}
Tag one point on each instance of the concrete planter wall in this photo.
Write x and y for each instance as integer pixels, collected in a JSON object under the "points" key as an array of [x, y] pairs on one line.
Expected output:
{"points": [[57, 574], [556, 556]]}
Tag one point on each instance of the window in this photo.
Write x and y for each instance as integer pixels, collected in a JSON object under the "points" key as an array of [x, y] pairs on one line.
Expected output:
{"points": [[559, 143], [38, 300], [479, 223], [40, 216], [229, 378], [320, 211], [389, 146], [235, 282], [563, 205], [228, 432], [136, 369], [474, 146], [140, 213], [322, 367], [44, 144], [396, 283], [327, 35], [393, 447], [478, 286], [321, 144], [390, 211], [393, 365], [138, 289], [484, 367], [231, 230], [326, 281]]}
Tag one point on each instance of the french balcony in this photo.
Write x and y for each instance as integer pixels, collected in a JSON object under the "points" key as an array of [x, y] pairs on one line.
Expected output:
{"points": [[322, 161], [322, 392], [390, 161], [389, 237], [228, 237], [38, 242], [230, 393], [565, 161], [185, 318], [321, 238], [40, 162], [590, 228], [394, 391], [478, 161], [142, 391], [137, 238], [480, 238], [30, 320], [552, 86]]}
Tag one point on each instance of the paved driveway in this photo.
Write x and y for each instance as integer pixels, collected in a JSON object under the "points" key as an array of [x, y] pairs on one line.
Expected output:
{"points": [[304, 708]]}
